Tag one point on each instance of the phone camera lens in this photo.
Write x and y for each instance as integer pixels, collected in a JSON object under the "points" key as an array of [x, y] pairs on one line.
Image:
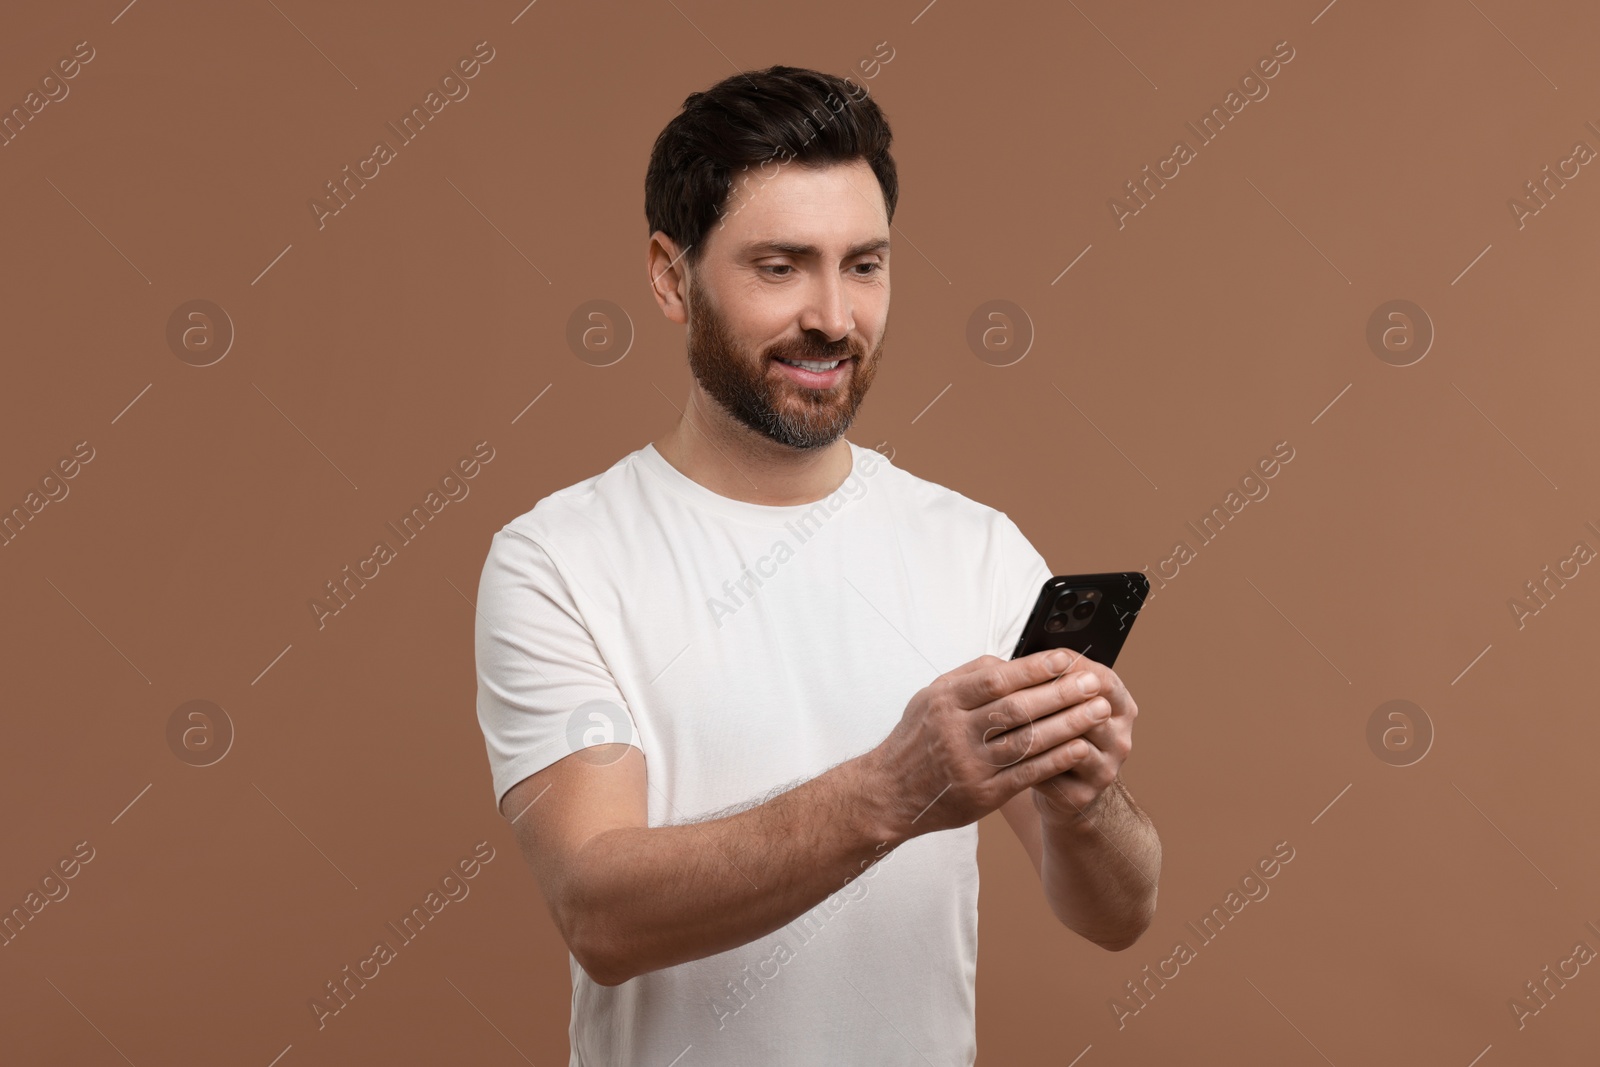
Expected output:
{"points": [[1066, 599], [1055, 624], [1083, 610]]}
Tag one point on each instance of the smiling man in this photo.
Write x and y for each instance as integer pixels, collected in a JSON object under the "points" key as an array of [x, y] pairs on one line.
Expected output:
{"points": [[743, 692]]}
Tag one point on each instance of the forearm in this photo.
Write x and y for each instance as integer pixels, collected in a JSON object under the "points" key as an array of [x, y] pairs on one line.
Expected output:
{"points": [[653, 897], [1100, 868]]}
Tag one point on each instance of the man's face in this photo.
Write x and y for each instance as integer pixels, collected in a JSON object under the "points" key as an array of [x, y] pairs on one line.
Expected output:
{"points": [[824, 297]]}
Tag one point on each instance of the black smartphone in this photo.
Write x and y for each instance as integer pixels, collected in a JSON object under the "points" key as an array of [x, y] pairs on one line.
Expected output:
{"points": [[1088, 613]]}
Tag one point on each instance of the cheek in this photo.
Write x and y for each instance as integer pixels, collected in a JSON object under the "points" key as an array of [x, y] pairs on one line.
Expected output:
{"points": [[877, 336]]}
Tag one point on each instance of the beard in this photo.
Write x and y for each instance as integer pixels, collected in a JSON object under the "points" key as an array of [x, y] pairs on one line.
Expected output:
{"points": [[762, 396]]}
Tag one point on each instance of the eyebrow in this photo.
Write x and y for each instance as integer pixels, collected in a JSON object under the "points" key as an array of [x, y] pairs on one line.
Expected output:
{"points": [[792, 248]]}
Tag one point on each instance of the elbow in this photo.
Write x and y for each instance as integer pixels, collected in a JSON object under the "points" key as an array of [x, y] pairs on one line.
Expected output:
{"points": [[588, 939], [600, 968], [1120, 945], [603, 977], [589, 917], [1130, 935]]}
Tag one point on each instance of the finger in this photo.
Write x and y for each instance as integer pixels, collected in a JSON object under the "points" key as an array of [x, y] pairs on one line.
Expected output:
{"points": [[1113, 735], [1003, 747], [1069, 793], [1066, 757], [952, 675], [1108, 684], [973, 664], [1094, 766], [1063, 791], [1080, 786], [1052, 746], [1045, 699], [978, 683], [1112, 686]]}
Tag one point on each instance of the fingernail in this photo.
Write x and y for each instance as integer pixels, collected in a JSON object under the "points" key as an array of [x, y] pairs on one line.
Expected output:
{"points": [[1087, 683], [1057, 661]]}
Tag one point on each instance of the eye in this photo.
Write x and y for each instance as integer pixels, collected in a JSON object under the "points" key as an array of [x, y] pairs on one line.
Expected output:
{"points": [[779, 266], [875, 268]]}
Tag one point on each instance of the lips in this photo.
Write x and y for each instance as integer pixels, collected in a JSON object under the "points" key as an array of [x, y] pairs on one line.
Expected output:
{"points": [[815, 359], [811, 379]]}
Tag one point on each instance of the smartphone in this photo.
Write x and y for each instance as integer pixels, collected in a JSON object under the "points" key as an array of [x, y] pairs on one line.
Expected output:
{"points": [[1088, 613]]}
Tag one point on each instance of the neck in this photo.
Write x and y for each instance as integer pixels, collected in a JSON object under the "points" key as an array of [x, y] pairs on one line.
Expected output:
{"points": [[735, 461]]}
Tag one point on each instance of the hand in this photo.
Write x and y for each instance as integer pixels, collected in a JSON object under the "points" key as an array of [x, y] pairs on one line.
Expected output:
{"points": [[1100, 751], [981, 733]]}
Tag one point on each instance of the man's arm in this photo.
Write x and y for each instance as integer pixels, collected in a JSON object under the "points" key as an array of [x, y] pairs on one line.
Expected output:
{"points": [[630, 898], [1099, 866]]}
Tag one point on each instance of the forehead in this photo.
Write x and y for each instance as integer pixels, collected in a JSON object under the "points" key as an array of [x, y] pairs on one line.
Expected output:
{"points": [[835, 209]]}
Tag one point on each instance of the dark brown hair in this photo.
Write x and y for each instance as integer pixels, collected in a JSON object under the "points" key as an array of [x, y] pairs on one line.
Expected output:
{"points": [[766, 118]]}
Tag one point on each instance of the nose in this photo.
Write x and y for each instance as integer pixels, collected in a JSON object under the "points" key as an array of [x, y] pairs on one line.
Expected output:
{"points": [[828, 310]]}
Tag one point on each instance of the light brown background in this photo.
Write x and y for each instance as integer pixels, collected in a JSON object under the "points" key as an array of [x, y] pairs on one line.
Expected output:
{"points": [[1224, 318]]}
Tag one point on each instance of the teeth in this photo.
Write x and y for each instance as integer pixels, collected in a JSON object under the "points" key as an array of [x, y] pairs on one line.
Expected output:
{"points": [[815, 365]]}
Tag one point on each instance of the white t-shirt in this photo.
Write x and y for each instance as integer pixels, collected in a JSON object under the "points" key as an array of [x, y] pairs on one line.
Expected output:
{"points": [[745, 649]]}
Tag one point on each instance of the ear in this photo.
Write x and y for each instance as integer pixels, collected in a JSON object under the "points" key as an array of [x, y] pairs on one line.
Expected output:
{"points": [[668, 276]]}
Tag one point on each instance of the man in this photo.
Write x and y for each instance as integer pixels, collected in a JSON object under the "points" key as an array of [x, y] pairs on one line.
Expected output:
{"points": [[743, 693]]}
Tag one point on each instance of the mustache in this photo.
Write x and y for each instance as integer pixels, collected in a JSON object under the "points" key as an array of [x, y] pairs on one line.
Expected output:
{"points": [[812, 349]]}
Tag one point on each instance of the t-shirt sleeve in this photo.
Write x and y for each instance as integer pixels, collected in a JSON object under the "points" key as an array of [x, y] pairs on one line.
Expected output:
{"points": [[1020, 572], [544, 690]]}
